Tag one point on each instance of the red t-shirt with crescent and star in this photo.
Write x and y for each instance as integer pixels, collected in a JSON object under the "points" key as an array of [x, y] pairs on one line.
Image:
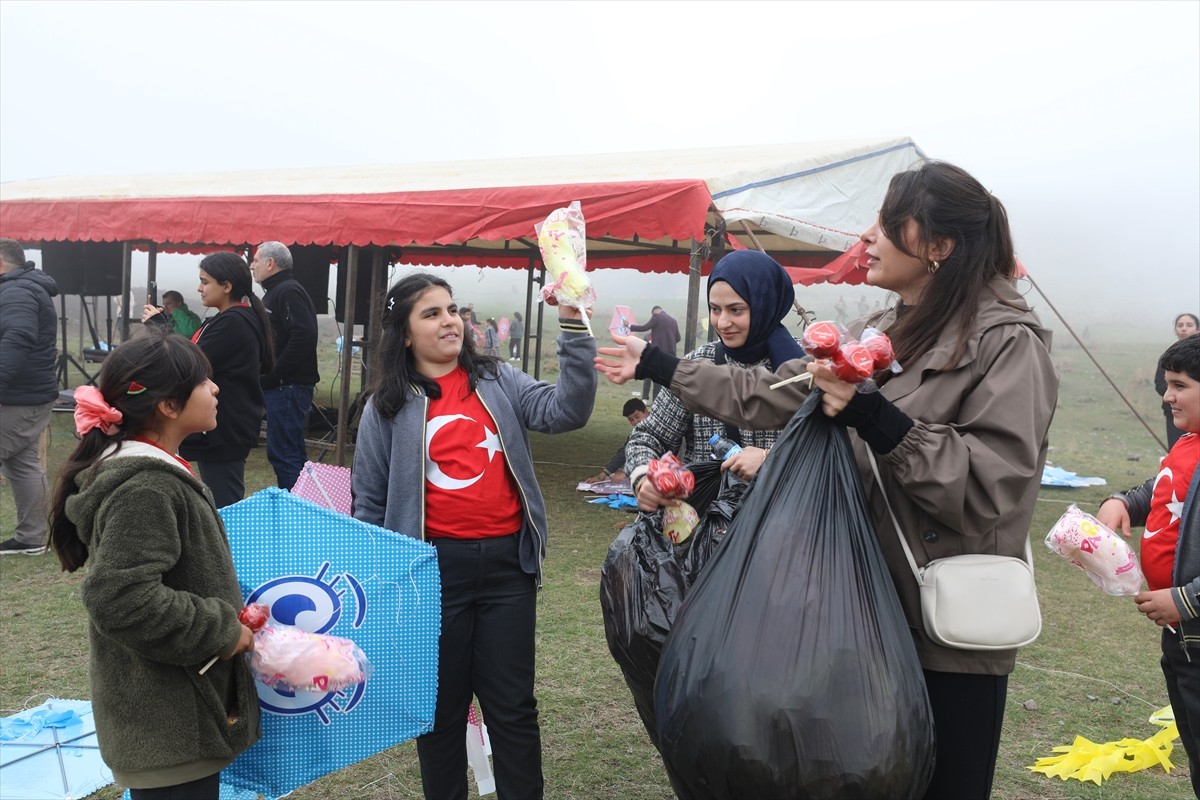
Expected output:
{"points": [[1166, 507], [469, 491]]}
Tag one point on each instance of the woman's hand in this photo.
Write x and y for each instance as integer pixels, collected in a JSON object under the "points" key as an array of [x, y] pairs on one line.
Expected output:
{"points": [[1159, 607], [836, 392], [618, 364], [149, 311], [648, 498], [1114, 515], [745, 464]]}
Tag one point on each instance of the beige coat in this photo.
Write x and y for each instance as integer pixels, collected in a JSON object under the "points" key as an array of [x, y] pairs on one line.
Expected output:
{"points": [[965, 477]]}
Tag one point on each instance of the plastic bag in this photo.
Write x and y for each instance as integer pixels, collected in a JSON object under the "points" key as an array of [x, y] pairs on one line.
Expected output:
{"points": [[562, 240], [645, 578], [790, 671], [292, 659], [1106, 557]]}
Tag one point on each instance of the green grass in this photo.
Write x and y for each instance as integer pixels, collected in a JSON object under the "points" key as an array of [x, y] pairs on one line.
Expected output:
{"points": [[594, 747]]}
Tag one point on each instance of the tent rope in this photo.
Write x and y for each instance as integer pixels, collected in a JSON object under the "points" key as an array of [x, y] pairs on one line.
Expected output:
{"points": [[1120, 394]]}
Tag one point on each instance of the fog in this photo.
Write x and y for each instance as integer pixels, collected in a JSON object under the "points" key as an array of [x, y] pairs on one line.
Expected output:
{"points": [[1081, 117]]}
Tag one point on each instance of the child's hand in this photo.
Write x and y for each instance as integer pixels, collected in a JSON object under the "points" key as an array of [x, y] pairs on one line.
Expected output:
{"points": [[245, 643], [1158, 606], [1114, 515]]}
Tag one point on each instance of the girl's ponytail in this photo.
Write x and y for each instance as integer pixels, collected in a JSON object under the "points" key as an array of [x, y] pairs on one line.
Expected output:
{"points": [[135, 377]]}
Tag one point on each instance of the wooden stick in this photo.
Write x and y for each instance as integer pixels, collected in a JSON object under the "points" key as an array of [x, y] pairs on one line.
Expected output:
{"points": [[211, 661], [804, 376]]}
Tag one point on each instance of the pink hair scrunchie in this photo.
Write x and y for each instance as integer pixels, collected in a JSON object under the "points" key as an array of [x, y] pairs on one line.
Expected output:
{"points": [[92, 411]]}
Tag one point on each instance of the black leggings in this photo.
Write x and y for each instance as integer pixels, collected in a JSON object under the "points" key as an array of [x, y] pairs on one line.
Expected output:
{"points": [[968, 711], [203, 789]]}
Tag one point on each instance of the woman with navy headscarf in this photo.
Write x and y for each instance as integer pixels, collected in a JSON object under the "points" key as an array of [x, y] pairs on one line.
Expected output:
{"points": [[749, 295]]}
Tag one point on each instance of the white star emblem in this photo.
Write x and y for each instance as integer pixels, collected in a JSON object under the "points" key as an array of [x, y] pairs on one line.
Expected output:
{"points": [[491, 443]]}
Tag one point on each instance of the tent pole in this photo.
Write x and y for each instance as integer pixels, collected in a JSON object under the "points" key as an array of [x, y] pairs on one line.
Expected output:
{"points": [[347, 352], [152, 267], [754, 239], [1120, 394], [693, 298], [528, 326], [126, 269], [537, 347]]}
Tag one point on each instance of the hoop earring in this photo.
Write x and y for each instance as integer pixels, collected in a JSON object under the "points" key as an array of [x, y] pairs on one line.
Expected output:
{"points": [[934, 266]]}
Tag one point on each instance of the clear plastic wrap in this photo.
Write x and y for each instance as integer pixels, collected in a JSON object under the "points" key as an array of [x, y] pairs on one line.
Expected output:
{"points": [[1105, 556], [291, 659], [562, 239]]}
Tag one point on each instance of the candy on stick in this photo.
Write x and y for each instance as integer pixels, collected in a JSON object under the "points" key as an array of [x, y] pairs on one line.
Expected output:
{"points": [[673, 480], [880, 348], [1103, 555], [822, 339], [562, 239], [852, 361]]}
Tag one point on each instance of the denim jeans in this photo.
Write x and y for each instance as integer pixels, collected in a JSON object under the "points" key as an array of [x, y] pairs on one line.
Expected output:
{"points": [[287, 422], [489, 608]]}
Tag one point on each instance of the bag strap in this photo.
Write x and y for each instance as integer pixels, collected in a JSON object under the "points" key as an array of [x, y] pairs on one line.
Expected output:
{"points": [[912, 562]]}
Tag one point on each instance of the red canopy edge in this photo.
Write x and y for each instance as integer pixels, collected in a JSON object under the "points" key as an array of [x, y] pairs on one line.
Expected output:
{"points": [[674, 209]]}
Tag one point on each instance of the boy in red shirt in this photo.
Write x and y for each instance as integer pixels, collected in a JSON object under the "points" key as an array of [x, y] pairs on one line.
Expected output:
{"points": [[1170, 553]]}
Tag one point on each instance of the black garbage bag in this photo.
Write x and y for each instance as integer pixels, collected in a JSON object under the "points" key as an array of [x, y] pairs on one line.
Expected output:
{"points": [[645, 578], [790, 671]]}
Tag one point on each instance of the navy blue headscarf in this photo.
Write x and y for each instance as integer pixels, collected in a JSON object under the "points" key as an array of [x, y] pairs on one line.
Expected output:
{"points": [[762, 283]]}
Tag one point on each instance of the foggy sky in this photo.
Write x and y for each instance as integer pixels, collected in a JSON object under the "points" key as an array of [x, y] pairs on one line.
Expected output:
{"points": [[1082, 117]]}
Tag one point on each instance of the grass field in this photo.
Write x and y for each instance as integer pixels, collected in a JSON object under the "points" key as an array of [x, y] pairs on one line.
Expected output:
{"points": [[1094, 671]]}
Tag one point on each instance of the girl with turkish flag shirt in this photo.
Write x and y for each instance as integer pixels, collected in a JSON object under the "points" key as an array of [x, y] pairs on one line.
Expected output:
{"points": [[1168, 508], [443, 455]]}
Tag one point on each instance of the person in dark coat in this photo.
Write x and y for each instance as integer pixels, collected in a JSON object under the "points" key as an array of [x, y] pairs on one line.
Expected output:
{"points": [[663, 332], [237, 343], [288, 388], [28, 389]]}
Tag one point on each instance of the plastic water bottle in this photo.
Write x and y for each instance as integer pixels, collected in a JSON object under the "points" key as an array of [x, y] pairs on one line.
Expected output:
{"points": [[722, 448]]}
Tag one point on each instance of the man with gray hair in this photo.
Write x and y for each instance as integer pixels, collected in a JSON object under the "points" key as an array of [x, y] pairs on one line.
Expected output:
{"points": [[288, 389], [28, 389]]}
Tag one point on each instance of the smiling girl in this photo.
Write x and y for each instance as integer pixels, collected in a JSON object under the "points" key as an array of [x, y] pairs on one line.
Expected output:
{"points": [[749, 296], [443, 455]]}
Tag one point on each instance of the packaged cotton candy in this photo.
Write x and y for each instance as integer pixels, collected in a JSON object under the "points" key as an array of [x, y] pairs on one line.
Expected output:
{"points": [[1103, 555], [291, 659], [562, 240]]}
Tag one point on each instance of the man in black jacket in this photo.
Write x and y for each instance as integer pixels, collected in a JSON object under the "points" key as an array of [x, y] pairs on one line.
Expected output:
{"points": [[28, 389], [288, 389]]}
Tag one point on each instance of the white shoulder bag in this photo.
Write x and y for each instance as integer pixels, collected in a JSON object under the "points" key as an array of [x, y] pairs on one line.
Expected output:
{"points": [[976, 601]]}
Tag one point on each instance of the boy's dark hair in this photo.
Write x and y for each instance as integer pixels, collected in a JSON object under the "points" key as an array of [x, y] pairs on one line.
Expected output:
{"points": [[1183, 356], [631, 406], [173, 296]]}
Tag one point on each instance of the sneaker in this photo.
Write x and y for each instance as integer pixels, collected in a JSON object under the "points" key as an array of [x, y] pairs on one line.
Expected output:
{"points": [[10, 546]]}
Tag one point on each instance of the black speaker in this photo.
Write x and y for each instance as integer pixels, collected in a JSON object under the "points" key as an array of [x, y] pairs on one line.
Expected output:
{"points": [[84, 268], [310, 266], [362, 288]]}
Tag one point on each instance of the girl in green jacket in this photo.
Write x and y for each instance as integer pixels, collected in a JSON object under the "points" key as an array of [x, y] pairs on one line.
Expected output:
{"points": [[161, 594]]}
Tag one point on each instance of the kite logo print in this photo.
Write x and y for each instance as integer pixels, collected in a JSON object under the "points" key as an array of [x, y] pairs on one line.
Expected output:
{"points": [[314, 605]]}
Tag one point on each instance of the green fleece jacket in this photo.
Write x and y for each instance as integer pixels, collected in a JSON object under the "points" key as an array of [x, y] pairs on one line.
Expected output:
{"points": [[162, 599]]}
